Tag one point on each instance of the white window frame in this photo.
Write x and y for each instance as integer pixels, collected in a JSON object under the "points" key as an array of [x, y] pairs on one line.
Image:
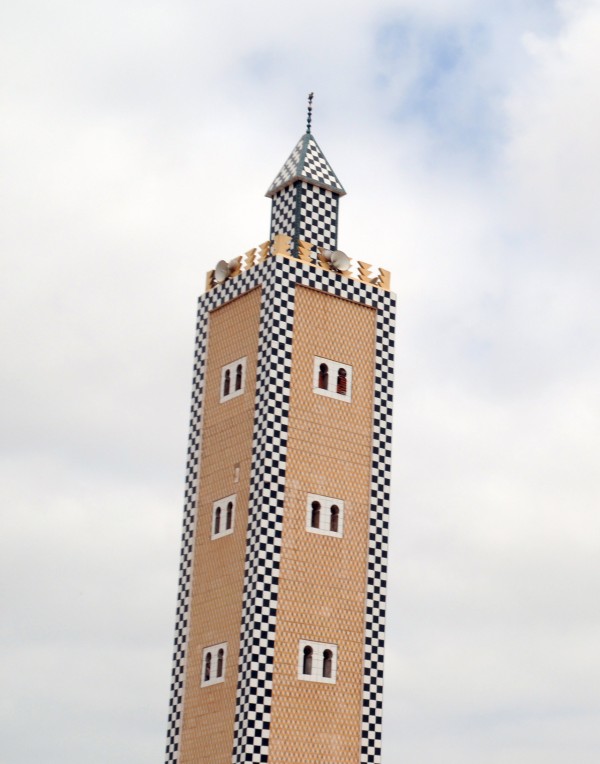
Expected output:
{"points": [[317, 662], [232, 367], [326, 503], [223, 504], [214, 679], [333, 368]]}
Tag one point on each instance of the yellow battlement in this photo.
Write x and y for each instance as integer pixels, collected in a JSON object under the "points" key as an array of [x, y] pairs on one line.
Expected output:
{"points": [[307, 253]]}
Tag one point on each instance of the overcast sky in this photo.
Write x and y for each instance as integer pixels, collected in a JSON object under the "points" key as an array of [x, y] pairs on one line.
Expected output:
{"points": [[137, 140]]}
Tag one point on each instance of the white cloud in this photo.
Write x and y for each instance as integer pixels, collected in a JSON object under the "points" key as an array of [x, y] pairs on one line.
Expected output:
{"points": [[553, 154]]}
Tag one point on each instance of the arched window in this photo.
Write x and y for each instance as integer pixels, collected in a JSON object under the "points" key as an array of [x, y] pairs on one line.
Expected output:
{"points": [[227, 382], [334, 519], [327, 664], [229, 518], [315, 515], [324, 515], [220, 655], [307, 660], [217, 520], [341, 382], [323, 376], [238, 377], [207, 662]]}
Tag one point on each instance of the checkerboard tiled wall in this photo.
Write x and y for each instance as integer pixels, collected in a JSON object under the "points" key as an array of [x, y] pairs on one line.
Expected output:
{"points": [[279, 277], [306, 212]]}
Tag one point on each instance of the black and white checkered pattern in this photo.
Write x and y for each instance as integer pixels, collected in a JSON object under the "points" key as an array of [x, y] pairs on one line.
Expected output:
{"points": [[187, 545], [305, 197], [317, 169], [291, 168], [279, 277], [209, 301], [267, 490], [284, 212], [318, 216], [379, 529], [307, 162], [307, 213]]}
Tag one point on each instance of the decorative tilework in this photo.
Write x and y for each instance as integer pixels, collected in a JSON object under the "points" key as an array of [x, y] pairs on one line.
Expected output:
{"points": [[187, 547], [306, 212], [305, 197], [318, 216], [261, 585], [378, 541], [278, 278], [283, 212], [317, 169], [291, 169], [307, 162], [385, 304], [209, 301]]}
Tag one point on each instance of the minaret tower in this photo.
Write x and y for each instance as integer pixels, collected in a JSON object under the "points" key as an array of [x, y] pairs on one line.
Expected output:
{"points": [[280, 619]]}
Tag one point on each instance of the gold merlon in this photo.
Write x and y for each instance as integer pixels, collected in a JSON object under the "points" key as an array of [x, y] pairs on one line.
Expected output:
{"points": [[307, 253]]}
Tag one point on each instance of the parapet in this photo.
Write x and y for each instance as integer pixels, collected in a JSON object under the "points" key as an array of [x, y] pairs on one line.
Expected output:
{"points": [[306, 253]]}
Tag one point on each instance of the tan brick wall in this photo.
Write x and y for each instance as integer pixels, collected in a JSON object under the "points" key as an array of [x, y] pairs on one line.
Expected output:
{"points": [[323, 579], [218, 572]]}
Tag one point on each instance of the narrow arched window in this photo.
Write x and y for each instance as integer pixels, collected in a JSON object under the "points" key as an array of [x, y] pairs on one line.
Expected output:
{"points": [[315, 515], [227, 382], [217, 520], [207, 662], [342, 382], [238, 377], [307, 660], [334, 519], [323, 377], [327, 664], [229, 517], [220, 656]]}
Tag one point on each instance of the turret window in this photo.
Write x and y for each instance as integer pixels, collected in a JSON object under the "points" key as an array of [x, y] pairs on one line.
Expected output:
{"points": [[317, 662], [214, 659], [325, 515], [332, 379], [223, 517], [233, 380]]}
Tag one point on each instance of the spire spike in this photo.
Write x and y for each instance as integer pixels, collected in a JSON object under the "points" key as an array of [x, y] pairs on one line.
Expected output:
{"points": [[309, 114]]}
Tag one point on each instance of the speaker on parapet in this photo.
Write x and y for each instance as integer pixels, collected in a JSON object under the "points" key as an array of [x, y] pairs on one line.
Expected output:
{"points": [[338, 260]]}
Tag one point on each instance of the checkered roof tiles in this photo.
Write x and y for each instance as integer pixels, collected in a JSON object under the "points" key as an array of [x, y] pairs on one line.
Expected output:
{"points": [[307, 162]]}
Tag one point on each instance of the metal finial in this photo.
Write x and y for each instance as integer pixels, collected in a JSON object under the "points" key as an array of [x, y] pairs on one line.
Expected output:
{"points": [[309, 116]]}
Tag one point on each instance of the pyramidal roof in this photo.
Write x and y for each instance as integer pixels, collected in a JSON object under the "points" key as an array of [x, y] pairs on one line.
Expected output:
{"points": [[307, 162]]}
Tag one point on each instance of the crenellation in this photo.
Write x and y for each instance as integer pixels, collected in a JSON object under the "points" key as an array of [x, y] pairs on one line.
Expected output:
{"points": [[310, 254]]}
